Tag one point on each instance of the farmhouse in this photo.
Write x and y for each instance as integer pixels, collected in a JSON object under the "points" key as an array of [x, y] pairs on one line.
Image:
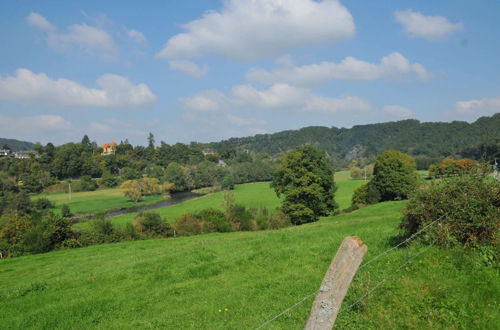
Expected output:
{"points": [[108, 148]]}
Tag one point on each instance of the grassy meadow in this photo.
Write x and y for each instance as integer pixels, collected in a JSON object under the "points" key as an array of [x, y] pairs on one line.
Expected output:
{"points": [[250, 195], [95, 201], [189, 282]]}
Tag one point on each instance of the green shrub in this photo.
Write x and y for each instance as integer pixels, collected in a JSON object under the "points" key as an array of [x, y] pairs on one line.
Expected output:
{"points": [[279, 220], [188, 225], [228, 182], [66, 212], [87, 183], [102, 226], [109, 180], [261, 217], [469, 209], [151, 224], [240, 218], [43, 204], [214, 220]]}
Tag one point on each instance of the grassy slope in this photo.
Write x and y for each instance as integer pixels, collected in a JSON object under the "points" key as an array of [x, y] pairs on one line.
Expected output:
{"points": [[183, 282], [95, 201]]}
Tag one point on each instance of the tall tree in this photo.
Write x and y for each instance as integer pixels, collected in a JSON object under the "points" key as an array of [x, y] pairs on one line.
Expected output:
{"points": [[394, 175], [305, 178]]}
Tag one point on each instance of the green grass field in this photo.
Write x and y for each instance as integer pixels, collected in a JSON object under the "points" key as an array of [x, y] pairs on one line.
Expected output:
{"points": [[182, 283], [250, 195], [95, 201]]}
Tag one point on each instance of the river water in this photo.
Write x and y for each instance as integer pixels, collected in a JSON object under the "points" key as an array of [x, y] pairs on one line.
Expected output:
{"points": [[177, 198]]}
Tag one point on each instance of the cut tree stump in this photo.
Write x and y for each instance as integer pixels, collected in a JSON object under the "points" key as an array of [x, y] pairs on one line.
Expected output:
{"points": [[335, 284]]}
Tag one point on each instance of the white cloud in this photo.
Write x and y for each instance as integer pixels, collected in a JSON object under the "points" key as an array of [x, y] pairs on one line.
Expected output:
{"points": [[398, 111], [137, 36], [249, 30], [40, 22], [12, 126], [240, 121], [90, 39], [189, 68], [112, 128], [114, 91], [427, 27], [279, 97], [393, 66], [206, 101], [478, 107]]}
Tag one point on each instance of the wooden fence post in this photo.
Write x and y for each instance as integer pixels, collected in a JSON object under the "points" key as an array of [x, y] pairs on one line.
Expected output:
{"points": [[335, 284]]}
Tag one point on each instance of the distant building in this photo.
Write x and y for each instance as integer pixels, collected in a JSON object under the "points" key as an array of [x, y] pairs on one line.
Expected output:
{"points": [[108, 148], [221, 163], [26, 154], [208, 151], [5, 153]]}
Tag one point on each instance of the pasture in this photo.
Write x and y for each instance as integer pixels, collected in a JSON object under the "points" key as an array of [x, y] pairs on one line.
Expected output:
{"points": [[95, 201], [239, 280], [249, 195]]}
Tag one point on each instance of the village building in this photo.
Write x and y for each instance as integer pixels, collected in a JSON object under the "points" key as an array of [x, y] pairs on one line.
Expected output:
{"points": [[208, 151], [5, 153], [26, 154], [108, 148]]}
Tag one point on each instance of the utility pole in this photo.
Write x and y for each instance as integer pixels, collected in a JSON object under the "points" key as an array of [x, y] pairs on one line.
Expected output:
{"points": [[365, 173], [69, 189]]}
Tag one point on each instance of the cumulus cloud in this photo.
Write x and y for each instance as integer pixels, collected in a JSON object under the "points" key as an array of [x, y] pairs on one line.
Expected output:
{"points": [[137, 36], [393, 66], [40, 22], [276, 97], [398, 111], [189, 68], [248, 30], [478, 107], [426, 27], [89, 39], [114, 91], [33, 125]]}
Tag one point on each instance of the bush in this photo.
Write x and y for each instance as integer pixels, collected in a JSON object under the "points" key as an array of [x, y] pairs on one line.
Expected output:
{"points": [[188, 225], [66, 212], [469, 208], [365, 194], [43, 204], [103, 226], [151, 224], [214, 220], [279, 220], [87, 183], [261, 217], [109, 180], [228, 182]]}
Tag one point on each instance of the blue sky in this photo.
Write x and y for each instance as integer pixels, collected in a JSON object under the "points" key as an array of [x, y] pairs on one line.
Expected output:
{"points": [[209, 70]]}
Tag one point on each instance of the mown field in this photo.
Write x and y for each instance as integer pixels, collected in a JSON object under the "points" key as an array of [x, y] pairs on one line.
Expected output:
{"points": [[250, 195], [189, 282], [95, 201]]}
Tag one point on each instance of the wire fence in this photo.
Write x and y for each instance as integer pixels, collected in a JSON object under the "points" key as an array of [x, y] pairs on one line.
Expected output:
{"points": [[380, 283]]}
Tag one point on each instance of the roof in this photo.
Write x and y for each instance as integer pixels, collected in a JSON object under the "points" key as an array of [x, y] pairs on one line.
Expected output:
{"points": [[107, 145]]}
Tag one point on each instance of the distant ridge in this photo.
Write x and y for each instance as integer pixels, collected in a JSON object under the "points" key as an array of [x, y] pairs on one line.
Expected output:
{"points": [[425, 139], [16, 145]]}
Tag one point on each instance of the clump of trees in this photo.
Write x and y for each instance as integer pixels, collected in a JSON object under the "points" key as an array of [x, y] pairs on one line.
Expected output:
{"points": [[467, 210], [305, 177], [451, 167], [135, 189], [394, 177]]}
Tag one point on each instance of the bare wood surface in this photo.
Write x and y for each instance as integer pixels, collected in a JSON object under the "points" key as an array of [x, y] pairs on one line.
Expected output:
{"points": [[335, 284]]}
